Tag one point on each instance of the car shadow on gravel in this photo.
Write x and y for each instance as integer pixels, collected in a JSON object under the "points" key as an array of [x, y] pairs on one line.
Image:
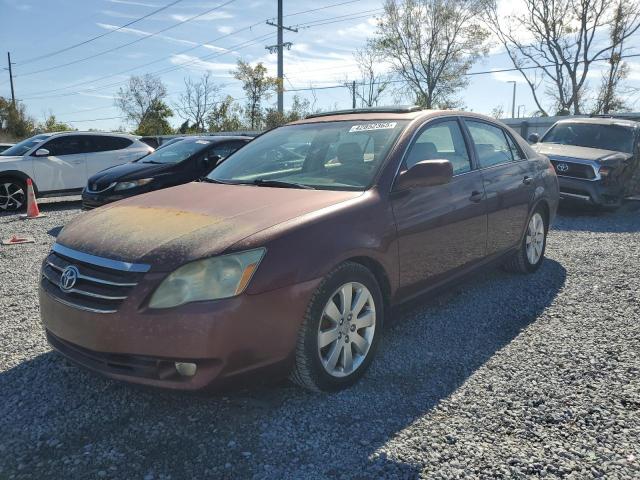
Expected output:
{"points": [[59, 421]]}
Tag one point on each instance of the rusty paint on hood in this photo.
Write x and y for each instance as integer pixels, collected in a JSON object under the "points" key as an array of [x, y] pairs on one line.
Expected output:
{"points": [[180, 224]]}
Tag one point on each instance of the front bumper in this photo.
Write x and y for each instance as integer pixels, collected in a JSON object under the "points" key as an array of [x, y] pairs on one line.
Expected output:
{"points": [[95, 200], [593, 192], [225, 339]]}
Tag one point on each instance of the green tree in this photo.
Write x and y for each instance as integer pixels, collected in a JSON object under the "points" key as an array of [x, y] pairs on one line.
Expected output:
{"points": [[257, 86], [300, 108], [226, 116], [155, 122], [53, 125], [15, 123], [142, 102]]}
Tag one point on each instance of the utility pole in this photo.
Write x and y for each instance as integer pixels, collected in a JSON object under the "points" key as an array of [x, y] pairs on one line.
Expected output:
{"points": [[13, 95], [279, 48], [353, 90], [513, 102]]}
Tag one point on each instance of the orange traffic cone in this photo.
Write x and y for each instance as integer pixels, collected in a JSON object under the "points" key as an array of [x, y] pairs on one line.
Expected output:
{"points": [[32, 204]]}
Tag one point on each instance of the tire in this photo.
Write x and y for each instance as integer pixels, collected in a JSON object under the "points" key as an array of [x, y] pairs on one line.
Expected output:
{"points": [[13, 194], [326, 368], [522, 261]]}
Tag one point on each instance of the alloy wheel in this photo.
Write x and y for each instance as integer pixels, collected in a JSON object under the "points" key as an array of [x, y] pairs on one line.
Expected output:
{"points": [[535, 238], [12, 196], [346, 329]]}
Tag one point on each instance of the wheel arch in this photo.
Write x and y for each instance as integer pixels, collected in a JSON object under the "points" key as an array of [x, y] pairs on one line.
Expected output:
{"points": [[20, 175], [379, 273]]}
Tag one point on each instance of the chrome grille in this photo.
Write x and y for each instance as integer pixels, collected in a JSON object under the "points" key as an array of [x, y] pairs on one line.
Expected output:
{"points": [[100, 286]]}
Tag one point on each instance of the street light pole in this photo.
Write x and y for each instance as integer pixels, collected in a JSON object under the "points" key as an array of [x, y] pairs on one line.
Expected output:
{"points": [[513, 102]]}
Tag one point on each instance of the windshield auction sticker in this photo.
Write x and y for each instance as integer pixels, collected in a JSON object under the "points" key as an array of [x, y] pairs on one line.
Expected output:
{"points": [[373, 126]]}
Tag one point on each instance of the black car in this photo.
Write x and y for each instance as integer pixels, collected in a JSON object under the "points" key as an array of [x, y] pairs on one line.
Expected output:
{"points": [[181, 162], [597, 160]]}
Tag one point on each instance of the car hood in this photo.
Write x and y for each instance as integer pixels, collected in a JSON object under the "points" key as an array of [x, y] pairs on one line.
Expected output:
{"points": [[9, 158], [129, 171], [173, 226], [553, 150]]}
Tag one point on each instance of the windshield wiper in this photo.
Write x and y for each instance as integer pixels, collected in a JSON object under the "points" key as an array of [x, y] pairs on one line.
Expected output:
{"points": [[213, 180], [279, 184]]}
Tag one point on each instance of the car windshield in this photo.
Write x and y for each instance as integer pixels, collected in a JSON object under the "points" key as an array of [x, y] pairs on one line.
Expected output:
{"points": [[177, 152], [24, 146], [618, 138], [339, 155]]}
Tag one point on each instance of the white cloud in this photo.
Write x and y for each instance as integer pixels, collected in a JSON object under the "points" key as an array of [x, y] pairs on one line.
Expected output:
{"points": [[139, 4], [208, 17], [194, 63], [226, 29], [506, 76], [360, 30], [143, 33]]}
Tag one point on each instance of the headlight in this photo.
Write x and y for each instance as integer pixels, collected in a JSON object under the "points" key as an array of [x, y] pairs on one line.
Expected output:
{"points": [[605, 171], [132, 184], [210, 279]]}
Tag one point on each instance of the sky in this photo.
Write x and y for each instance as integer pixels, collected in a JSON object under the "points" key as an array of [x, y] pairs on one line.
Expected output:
{"points": [[79, 84]]}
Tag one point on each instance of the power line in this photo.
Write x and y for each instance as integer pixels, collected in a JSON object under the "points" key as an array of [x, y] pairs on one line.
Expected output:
{"points": [[248, 27], [89, 40], [55, 67], [166, 70]]}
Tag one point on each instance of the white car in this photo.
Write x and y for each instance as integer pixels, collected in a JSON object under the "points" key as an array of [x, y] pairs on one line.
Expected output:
{"points": [[61, 163]]}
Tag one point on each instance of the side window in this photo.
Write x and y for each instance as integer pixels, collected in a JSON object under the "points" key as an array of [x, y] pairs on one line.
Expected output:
{"points": [[67, 145], [442, 141], [103, 143], [491, 143], [226, 149], [516, 151]]}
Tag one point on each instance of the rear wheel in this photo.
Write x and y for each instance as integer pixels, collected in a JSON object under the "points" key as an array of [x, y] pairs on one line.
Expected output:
{"points": [[13, 195], [530, 255], [341, 330]]}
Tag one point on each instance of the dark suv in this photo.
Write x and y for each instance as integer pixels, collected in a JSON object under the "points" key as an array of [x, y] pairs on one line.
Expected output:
{"points": [[597, 159], [182, 161], [288, 257]]}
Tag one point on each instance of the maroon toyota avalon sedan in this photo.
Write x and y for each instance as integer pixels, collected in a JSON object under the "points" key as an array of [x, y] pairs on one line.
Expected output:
{"points": [[286, 259]]}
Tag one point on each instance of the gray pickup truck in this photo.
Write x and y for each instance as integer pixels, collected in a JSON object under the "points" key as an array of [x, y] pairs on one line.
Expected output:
{"points": [[597, 160]]}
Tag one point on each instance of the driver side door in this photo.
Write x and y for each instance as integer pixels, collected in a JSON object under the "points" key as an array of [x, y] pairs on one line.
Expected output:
{"points": [[444, 227], [64, 168]]}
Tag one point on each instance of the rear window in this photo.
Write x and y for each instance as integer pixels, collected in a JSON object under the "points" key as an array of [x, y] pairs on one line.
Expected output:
{"points": [[617, 138], [102, 143]]}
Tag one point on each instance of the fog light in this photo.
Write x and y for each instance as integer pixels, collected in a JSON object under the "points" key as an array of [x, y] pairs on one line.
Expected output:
{"points": [[186, 369]]}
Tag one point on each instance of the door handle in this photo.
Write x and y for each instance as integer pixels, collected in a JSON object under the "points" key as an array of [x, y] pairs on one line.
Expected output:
{"points": [[476, 196], [527, 180]]}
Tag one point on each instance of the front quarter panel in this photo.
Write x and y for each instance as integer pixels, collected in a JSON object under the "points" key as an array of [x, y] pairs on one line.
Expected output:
{"points": [[309, 247]]}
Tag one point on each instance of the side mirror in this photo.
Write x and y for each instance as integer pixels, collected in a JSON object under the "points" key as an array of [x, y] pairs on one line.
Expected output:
{"points": [[533, 138], [427, 173], [42, 152]]}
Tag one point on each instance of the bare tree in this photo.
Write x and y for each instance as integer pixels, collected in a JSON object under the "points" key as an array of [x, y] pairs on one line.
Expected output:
{"points": [[431, 44], [143, 97], [198, 100], [498, 112], [257, 86], [555, 42], [373, 82], [611, 90]]}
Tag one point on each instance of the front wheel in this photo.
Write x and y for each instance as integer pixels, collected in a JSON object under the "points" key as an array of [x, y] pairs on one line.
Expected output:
{"points": [[13, 195], [530, 255], [341, 330]]}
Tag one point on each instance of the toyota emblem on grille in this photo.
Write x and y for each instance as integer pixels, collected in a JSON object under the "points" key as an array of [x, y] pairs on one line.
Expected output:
{"points": [[68, 278], [563, 167]]}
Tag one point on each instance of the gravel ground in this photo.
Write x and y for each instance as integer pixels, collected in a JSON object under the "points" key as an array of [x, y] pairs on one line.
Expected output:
{"points": [[504, 376]]}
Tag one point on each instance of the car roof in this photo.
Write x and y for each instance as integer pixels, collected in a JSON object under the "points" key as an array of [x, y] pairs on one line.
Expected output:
{"points": [[100, 134], [214, 138], [389, 114], [602, 121]]}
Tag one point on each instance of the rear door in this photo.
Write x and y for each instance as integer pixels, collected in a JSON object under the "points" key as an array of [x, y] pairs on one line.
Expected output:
{"points": [[444, 227], [65, 168], [104, 151], [508, 183]]}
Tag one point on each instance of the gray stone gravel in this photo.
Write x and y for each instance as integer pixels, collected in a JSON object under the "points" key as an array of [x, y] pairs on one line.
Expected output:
{"points": [[503, 376]]}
